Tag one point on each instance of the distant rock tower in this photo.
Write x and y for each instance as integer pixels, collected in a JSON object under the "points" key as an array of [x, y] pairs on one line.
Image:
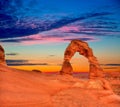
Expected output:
{"points": [[2, 56], [83, 49]]}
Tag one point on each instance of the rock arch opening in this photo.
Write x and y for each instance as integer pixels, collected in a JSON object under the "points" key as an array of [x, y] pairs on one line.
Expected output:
{"points": [[79, 63], [95, 71]]}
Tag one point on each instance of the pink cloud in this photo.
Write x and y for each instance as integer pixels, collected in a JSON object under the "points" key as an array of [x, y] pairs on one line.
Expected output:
{"points": [[38, 39], [55, 36], [43, 39], [69, 28]]}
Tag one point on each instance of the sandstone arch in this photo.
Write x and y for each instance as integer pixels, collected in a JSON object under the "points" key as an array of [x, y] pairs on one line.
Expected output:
{"points": [[95, 71]]}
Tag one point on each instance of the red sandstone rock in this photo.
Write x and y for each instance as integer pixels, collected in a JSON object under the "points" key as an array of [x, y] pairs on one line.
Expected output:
{"points": [[2, 56], [66, 67], [83, 49]]}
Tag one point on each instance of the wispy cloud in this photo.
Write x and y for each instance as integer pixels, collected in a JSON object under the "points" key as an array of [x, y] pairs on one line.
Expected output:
{"points": [[22, 39], [82, 38], [111, 64], [23, 28], [22, 63], [23, 22], [47, 37], [110, 68], [63, 30], [12, 54]]}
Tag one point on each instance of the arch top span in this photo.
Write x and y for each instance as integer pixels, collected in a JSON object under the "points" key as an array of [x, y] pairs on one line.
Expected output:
{"points": [[95, 71]]}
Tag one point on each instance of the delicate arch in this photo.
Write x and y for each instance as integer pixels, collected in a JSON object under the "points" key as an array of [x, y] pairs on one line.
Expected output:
{"points": [[95, 70]]}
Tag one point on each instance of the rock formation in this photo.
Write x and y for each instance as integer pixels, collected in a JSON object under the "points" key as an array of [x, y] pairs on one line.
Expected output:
{"points": [[66, 68], [20, 88], [83, 49], [2, 56]]}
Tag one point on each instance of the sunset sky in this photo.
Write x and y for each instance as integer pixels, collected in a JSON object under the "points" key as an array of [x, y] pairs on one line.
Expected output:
{"points": [[35, 33]]}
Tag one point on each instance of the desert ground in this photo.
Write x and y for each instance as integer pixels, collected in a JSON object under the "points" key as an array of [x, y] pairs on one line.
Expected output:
{"points": [[19, 88], [114, 80]]}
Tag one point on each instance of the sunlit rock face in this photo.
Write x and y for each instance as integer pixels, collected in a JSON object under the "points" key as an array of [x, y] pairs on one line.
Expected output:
{"points": [[83, 49], [2, 56], [67, 68]]}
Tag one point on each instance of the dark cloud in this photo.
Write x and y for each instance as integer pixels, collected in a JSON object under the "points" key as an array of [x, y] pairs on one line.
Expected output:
{"points": [[16, 61], [6, 18], [24, 28], [68, 20], [96, 32], [114, 64], [111, 68], [84, 39], [12, 32], [105, 27], [22, 62], [96, 28], [11, 54], [88, 33], [10, 40], [27, 64], [18, 40], [100, 23]]}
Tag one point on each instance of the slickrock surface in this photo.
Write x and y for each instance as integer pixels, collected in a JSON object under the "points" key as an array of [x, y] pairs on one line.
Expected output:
{"points": [[32, 89]]}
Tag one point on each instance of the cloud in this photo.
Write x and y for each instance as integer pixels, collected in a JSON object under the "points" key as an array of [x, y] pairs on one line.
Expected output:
{"points": [[24, 22], [21, 39], [10, 40], [22, 27], [69, 28], [22, 63], [112, 64], [11, 54], [93, 27], [7, 19], [111, 68], [51, 55], [47, 37], [82, 38], [65, 33], [16, 61], [68, 20]]}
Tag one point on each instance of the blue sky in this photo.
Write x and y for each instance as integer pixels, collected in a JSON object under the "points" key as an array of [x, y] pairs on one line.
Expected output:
{"points": [[47, 26]]}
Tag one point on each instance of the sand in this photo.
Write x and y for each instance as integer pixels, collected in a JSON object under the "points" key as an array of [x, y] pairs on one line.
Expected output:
{"points": [[19, 88]]}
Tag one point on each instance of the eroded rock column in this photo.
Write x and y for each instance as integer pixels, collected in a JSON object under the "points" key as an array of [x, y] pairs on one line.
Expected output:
{"points": [[95, 70], [2, 56]]}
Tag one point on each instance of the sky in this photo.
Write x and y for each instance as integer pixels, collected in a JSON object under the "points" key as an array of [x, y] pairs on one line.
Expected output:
{"points": [[35, 33]]}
